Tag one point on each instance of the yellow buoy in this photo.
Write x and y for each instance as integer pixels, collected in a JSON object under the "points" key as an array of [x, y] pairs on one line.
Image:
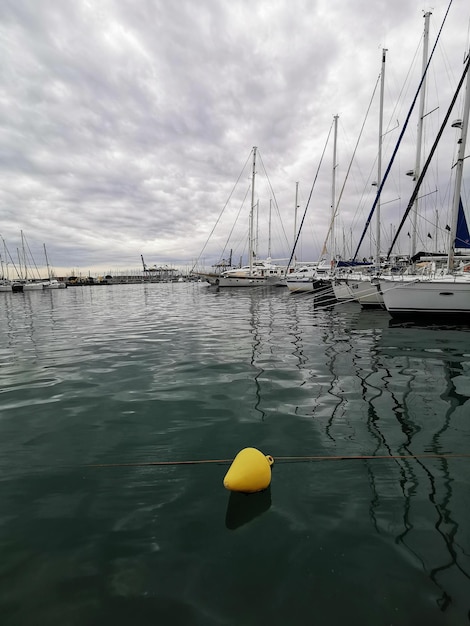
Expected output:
{"points": [[250, 471]]}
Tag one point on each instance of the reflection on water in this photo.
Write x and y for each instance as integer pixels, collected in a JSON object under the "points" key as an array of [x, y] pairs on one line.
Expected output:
{"points": [[142, 373], [243, 508], [405, 382]]}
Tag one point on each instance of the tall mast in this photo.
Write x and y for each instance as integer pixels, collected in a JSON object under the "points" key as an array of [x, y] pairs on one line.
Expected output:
{"points": [[458, 177], [419, 140], [295, 212], [269, 229], [251, 232], [24, 257], [379, 158], [47, 263], [333, 191]]}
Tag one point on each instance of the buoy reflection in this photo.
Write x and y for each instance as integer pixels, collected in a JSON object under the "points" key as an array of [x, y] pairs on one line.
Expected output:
{"points": [[245, 507]]}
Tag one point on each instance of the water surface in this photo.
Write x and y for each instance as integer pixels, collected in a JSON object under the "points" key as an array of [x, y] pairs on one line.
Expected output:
{"points": [[134, 374]]}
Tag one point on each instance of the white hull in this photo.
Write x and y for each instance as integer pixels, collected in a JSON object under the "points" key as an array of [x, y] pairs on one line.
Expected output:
{"points": [[262, 273], [33, 287], [208, 277], [307, 279], [440, 296], [341, 290], [366, 291], [297, 286], [54, 284], [243, 281]]}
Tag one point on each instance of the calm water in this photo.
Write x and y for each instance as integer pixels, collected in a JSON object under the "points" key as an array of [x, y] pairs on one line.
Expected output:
{"points": [[137, 374]]}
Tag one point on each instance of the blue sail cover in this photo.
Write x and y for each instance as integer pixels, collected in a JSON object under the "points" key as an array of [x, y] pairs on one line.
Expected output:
{"points": [[462, 236]]}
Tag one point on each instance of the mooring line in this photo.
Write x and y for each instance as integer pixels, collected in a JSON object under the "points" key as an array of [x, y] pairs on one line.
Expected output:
{"points": [[289, 459]]}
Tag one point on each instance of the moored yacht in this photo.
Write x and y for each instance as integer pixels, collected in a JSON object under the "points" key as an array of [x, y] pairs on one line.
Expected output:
{"points": [[258, 273], [442, 291], [301, 279], [5, 284]]}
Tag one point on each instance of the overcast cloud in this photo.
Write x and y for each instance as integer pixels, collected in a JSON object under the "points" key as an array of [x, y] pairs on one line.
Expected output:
{"points": [[125, 125]]}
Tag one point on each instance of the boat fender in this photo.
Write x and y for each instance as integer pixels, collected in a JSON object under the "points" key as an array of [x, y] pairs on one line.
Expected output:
{"points": [[249, 472]]}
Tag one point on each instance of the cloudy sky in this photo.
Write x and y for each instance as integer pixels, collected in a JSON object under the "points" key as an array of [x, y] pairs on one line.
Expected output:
{"points": [[127, 126]]}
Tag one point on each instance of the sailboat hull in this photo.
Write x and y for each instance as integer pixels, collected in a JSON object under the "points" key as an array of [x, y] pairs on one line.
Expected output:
{"points": [[300, 286], [54, 284], [366, 291], [447, 297], [242, 281], [341, 290]]}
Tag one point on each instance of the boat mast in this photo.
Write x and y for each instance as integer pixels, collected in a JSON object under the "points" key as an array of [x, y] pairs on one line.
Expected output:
{"points": [[419, 140], [47, 263], [269, 229], [458, 177], [295, 214], [333, 191], [251, 228], [24, 257], [379, 159]]}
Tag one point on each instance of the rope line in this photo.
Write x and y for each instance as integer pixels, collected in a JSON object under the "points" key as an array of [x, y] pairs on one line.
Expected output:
{"points": [[289, 459]]}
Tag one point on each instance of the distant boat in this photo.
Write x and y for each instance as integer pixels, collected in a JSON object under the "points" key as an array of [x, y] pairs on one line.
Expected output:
{"points": [[5, 285], [33, 286], [26, 283], [51, 283], [258, 272], [5, 282], [314, 277]]}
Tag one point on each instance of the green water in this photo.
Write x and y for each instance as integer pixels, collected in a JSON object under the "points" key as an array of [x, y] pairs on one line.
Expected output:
{"points": [[135, 374]]}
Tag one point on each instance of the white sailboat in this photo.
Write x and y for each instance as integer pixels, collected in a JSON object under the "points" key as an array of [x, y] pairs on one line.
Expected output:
{"points": [[373, 296], [301, 279], [315, 277], [51, 283], [257, 273], [444, 291], [27, 283], [5, 282], [363, 287]]}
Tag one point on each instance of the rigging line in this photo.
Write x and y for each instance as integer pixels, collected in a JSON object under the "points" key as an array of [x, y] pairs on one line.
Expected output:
{"points": [[405, 125], [327, 307], [349, 167], [309, 198], [234, 224], [10, 257], [287, 459], [222, 212], [428, 160], [32, 258], [273, 194]]}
